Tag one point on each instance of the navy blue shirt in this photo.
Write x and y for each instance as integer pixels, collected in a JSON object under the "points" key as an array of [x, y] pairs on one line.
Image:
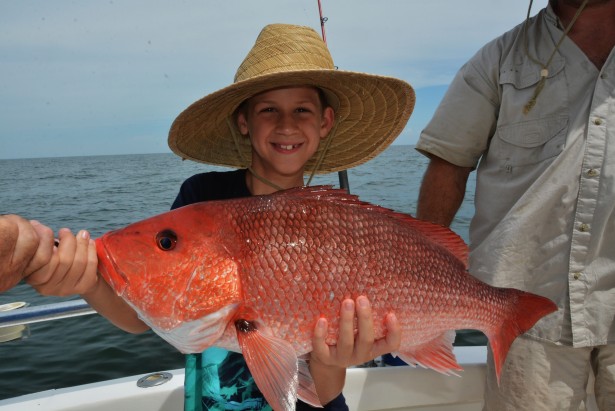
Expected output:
{"points": [[223, 377]]}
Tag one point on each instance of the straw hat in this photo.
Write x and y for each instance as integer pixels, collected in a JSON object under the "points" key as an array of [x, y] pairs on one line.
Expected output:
{"points": [[370, 110]]}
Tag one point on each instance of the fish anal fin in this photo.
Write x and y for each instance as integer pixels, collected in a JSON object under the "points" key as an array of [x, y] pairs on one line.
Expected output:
{"points": [[273, 364], [436, 354]]}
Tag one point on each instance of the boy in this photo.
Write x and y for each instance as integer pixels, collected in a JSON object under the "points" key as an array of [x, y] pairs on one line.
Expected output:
{"points": [[286, 98], [270, 124]]}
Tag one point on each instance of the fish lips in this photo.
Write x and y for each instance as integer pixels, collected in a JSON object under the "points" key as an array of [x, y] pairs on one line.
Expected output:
{"points": [[108, 268]]}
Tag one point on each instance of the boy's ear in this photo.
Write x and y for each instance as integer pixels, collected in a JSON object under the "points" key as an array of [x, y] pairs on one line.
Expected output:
{"points": [[328, 119], [242, 123]]}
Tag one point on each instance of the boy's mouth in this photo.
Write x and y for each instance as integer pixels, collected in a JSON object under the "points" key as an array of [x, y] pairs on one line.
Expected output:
{"points": [[287, 147]]}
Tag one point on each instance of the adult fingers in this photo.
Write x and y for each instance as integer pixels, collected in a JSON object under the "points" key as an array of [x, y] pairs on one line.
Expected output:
{"points": [[18, 242], [44, 250]]}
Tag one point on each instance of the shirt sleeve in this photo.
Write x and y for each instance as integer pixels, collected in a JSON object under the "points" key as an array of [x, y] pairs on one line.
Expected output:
{"points": [[463, 123], [188, 192], [338, 404]]}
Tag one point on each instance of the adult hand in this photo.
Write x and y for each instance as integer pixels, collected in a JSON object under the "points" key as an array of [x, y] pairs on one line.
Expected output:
{"points": [[71, 269], [25, 246]]}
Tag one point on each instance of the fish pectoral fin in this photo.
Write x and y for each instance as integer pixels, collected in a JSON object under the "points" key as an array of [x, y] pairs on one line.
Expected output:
{"points": [[307, 390], [436, 354], [273, 363]]}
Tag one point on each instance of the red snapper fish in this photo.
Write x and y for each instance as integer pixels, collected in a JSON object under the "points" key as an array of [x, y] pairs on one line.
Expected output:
{"points": [[253, 275]]}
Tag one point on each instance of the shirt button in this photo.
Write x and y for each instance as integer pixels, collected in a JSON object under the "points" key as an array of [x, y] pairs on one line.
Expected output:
{"points": [[597, 121], [584, 228], [603, 76], [592, 172], [576, 276]]}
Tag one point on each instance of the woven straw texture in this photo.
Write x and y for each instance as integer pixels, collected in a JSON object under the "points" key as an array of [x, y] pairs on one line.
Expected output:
{"points": [[370, 110]]}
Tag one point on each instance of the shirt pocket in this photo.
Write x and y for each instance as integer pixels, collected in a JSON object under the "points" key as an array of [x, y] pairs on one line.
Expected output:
{"points": [[526, 139], [530, 142]]}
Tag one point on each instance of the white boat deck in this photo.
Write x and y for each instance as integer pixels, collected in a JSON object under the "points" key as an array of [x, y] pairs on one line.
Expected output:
{"points": [[367, 389]]}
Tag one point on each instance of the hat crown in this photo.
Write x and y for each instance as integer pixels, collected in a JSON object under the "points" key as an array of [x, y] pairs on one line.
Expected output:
{"points": [[283, 48], [370, 110]]}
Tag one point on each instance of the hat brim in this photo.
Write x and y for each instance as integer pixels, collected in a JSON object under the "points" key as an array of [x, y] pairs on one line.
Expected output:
{"points": [[370, 112]]}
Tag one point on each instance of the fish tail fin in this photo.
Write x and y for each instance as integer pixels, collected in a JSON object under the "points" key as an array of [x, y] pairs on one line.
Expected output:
{"points": [[525, 310]]}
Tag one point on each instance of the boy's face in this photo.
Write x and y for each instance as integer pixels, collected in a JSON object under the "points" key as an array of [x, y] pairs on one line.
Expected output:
{"points": [[285, 127]]}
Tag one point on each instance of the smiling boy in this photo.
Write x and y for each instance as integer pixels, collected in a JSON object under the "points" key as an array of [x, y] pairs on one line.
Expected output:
{"points": [[288, 113]]}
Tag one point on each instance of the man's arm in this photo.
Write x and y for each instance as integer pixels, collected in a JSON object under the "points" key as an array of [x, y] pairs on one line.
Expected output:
{"points": [[442, 191], [72, 269], [25, 246]]}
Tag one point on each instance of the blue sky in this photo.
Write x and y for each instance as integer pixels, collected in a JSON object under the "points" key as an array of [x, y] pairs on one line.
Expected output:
{"points": [[108, 77]]}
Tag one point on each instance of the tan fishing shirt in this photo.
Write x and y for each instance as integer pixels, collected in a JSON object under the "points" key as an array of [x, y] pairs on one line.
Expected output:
{"points": [[545, 190]]}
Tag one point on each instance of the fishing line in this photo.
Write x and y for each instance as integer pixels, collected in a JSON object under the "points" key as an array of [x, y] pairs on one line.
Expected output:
{"points": [[343, 174]]}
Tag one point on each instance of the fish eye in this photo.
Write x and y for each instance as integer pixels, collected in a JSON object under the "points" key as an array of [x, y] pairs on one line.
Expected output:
{"points": [[166, 240]]}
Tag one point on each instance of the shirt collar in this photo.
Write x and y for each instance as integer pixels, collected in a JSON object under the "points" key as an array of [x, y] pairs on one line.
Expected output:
{"points": [[551, 17]]}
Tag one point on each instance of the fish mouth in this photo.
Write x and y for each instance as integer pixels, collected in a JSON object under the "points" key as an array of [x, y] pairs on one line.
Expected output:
{"points": [[108, 268]]}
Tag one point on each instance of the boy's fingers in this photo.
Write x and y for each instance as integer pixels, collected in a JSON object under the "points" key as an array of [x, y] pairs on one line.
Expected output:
{"points": [[365, 337], [345, 341], [392, 340]]}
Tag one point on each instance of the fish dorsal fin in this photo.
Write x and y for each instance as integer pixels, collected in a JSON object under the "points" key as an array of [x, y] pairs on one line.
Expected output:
{"points": [[441, 235], [277, 371]]}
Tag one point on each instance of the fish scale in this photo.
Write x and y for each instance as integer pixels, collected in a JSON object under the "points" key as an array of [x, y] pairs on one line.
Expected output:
{"points": [[255, 274]]}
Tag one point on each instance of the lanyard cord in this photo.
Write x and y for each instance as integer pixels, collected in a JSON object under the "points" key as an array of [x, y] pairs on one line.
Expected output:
{"points": [[544, 72], [324, 150], [271, 183]]}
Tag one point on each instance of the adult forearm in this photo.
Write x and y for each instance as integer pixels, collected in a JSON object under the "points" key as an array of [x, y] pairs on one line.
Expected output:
{"points": [[25, 246], [442, 191]]}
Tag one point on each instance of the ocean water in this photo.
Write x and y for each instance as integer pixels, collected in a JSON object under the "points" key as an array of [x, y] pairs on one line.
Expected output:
{"points": [[102, 193]]}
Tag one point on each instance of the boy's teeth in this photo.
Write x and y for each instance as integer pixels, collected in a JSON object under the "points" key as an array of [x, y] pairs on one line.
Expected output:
{"points": [[287, 147]]}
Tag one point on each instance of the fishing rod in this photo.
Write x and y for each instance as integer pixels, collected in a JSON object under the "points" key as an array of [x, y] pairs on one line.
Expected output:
{"points": [[343, 174]]}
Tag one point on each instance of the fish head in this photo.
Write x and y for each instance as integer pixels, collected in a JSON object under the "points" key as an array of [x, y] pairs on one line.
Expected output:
{"points": [[175, 270]]}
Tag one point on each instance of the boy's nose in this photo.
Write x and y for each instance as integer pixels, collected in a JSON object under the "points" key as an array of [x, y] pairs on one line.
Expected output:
{"points": [[286, 123]]}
